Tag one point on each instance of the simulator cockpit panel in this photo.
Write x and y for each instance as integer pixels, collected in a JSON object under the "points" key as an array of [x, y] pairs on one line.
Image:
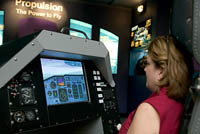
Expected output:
{"points": [[64, 81], [52, 81]]}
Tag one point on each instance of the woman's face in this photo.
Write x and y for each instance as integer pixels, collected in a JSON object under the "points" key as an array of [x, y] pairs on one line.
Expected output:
{"points": [[153, 75]]}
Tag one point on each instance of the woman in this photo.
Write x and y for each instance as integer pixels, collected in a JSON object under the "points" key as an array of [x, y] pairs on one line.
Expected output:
{"points": [[168, 73]]}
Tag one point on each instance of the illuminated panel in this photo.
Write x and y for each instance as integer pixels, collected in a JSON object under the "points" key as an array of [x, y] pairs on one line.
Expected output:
{"points": [[64, 81], [111, 41], [1, 26], [82, 26]]}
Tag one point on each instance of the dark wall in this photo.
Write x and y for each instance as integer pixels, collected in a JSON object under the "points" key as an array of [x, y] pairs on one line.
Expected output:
{"points": [[159, 11], [114, 19], [163, 17]]}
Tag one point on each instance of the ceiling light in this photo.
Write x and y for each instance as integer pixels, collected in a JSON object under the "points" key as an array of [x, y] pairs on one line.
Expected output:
{"points": [[140, 8]]}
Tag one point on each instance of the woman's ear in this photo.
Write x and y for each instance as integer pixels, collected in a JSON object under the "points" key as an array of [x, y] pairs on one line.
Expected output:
{"points": [[160, 73]]}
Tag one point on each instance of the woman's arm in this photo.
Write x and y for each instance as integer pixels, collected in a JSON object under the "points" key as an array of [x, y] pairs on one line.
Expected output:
{"points": [[145, 121]]}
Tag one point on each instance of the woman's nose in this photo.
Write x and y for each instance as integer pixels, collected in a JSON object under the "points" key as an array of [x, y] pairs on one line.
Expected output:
{"points": [[145, 69]]}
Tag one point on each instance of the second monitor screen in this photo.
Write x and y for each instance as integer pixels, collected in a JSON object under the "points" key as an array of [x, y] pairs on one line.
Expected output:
{"points": [[64, 81]]}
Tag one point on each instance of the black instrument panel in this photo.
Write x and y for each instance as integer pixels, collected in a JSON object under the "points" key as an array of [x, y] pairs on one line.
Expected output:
{"points": [[36, 101]]}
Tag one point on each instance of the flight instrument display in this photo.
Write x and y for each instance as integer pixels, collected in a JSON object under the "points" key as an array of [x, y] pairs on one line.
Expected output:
{"points": [[64, 81]]}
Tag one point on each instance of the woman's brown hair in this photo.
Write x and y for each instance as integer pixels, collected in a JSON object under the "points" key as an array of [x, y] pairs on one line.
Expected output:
{"points": [[168, 54]]}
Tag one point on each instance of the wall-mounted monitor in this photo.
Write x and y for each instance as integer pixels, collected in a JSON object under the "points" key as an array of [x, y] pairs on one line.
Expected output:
{"points": [[64, 81], [82, 26], [111, 41], [1, 26], [141, 34]]}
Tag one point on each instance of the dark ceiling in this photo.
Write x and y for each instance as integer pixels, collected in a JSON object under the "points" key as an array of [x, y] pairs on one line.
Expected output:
{"points": [[119, 3]]}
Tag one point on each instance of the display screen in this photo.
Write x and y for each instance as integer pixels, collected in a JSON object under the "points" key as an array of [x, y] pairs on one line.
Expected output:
{"points": [[111, 41], [82, 26], [64, 81], [1, 26], [141, 34]]}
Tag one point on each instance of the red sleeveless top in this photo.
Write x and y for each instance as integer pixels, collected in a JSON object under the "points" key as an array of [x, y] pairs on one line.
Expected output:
{"points": [[170, 112]]}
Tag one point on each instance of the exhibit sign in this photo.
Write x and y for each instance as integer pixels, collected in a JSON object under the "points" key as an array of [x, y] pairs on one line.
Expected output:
{"points": [[39, 9]]}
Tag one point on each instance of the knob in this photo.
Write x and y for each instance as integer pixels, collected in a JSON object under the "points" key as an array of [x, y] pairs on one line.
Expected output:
{"points": [[19, 116], [119, 126]]}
